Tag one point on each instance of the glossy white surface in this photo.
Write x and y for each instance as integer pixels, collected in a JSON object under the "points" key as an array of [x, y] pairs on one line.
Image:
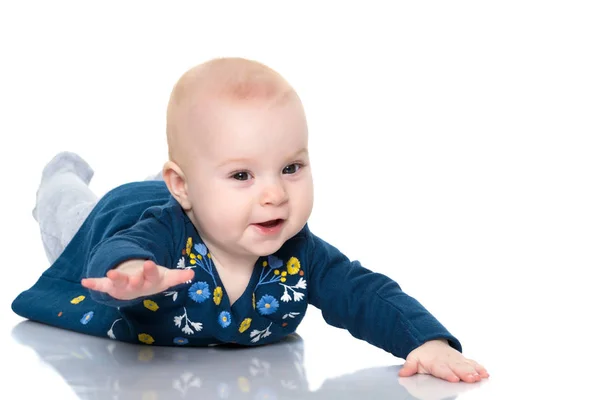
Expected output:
{"points": [[454, 146]]}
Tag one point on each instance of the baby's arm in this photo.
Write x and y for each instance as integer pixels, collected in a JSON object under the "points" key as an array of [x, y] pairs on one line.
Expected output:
{"points": [[373, 307], [135, 262], [137, 278]]}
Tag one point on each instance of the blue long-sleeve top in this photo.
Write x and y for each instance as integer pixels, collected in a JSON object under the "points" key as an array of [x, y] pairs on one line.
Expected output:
{"points": [[141, 220]]}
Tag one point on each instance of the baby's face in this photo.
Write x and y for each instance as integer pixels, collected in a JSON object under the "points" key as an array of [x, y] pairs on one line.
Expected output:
{"points": [[249, 178]]}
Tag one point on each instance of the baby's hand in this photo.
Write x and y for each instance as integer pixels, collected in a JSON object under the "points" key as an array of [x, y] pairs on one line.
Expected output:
{"points": [[437, 358], [138, 278]]}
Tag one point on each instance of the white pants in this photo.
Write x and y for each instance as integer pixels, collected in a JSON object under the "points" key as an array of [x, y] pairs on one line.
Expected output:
{"points": [[64, 200]]}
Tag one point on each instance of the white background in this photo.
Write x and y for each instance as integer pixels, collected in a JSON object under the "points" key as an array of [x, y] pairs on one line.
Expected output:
{"points": [[455, 147]]}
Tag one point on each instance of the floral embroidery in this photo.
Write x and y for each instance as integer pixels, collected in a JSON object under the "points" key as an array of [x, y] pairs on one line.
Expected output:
{"points": [[245, 325], [267, 305], [188, 246], [173, 294], [201, 249], [199, 292], [110, 332], [291, 315], [297, 295], [60, 314], [257, 335], [77, 299], [202, 259], [224, 319], [218, 295], [293, 266], [274, 262], [145, 338], [87, 317], [180, 341], [150, 305], [254, 301], [186, 329]]}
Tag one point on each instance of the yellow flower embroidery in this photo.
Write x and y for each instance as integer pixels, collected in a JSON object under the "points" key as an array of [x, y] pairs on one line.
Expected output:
{"points": [[253, 301], [218, 295], [293, 266], [245, 325], [188, 246], [150, 305], [276, 272], [145, 338], [192, 262], [283, 279], [77, 300], [192, 256], [265, 263], [284, 273]]}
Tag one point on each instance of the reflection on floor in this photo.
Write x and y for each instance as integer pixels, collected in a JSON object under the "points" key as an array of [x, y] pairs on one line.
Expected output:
{"points": [[97, 368]]}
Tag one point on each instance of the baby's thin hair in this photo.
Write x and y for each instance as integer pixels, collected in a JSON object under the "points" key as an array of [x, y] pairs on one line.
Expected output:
{"points": [[229, 79]]}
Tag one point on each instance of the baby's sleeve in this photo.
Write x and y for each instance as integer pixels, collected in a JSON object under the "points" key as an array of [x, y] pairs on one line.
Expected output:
{"points": [[150, 238], [370, 305]]}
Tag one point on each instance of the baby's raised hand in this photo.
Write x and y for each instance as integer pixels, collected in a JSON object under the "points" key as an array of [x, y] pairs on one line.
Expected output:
{"points": [[437, 358], [137, 278]]}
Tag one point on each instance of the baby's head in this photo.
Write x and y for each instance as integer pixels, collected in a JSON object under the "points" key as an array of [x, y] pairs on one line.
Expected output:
{"points": [[238, 156]]}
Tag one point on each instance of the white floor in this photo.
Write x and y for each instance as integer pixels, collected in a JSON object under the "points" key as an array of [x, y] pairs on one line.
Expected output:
{"points": [[547, 360]]}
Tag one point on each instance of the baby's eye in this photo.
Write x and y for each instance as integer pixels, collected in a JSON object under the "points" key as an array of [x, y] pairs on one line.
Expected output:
{"points": [[292, 168], [241, 176]]}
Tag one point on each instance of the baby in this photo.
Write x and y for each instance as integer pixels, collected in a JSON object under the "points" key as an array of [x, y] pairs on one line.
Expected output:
{"points": [[219, 250]]}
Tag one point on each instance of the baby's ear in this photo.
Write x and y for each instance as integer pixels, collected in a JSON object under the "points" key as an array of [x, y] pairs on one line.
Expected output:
{"points": [[177, 184]]}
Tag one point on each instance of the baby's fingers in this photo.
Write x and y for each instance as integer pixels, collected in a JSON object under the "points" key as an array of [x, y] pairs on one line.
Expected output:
{"points": [[98, 284], [443, 371], [119, 279], [174, 277], [466, 372], [151, 272], [480, 369]]}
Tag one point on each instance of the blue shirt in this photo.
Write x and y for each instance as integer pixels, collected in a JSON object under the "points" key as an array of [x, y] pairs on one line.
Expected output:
{"points": [[142, 220]]}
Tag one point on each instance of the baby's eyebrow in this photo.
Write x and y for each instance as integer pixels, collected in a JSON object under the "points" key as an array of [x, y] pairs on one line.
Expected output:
{"points": [[234, 161], [241, 160]]}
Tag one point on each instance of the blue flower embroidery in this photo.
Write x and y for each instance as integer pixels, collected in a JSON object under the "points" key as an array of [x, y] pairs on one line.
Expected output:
{"points": [[224, 319], [87, 317], [274, 262], [200, 249], [180, 341], [267, 305], [199, 292]]}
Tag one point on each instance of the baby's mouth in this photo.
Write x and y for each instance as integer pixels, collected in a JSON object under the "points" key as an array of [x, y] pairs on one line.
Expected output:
{"points": [[271, 223]]}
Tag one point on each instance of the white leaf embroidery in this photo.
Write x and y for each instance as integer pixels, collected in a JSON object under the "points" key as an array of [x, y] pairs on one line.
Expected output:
{"points": [[301, 284], [197, 325], [298, 296], [291, 315], [187, 330], [254, 333], [181, 263], [255, 339], [111, 334], [267, 333], [175, 296], [286, 297], [178, 320]]}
